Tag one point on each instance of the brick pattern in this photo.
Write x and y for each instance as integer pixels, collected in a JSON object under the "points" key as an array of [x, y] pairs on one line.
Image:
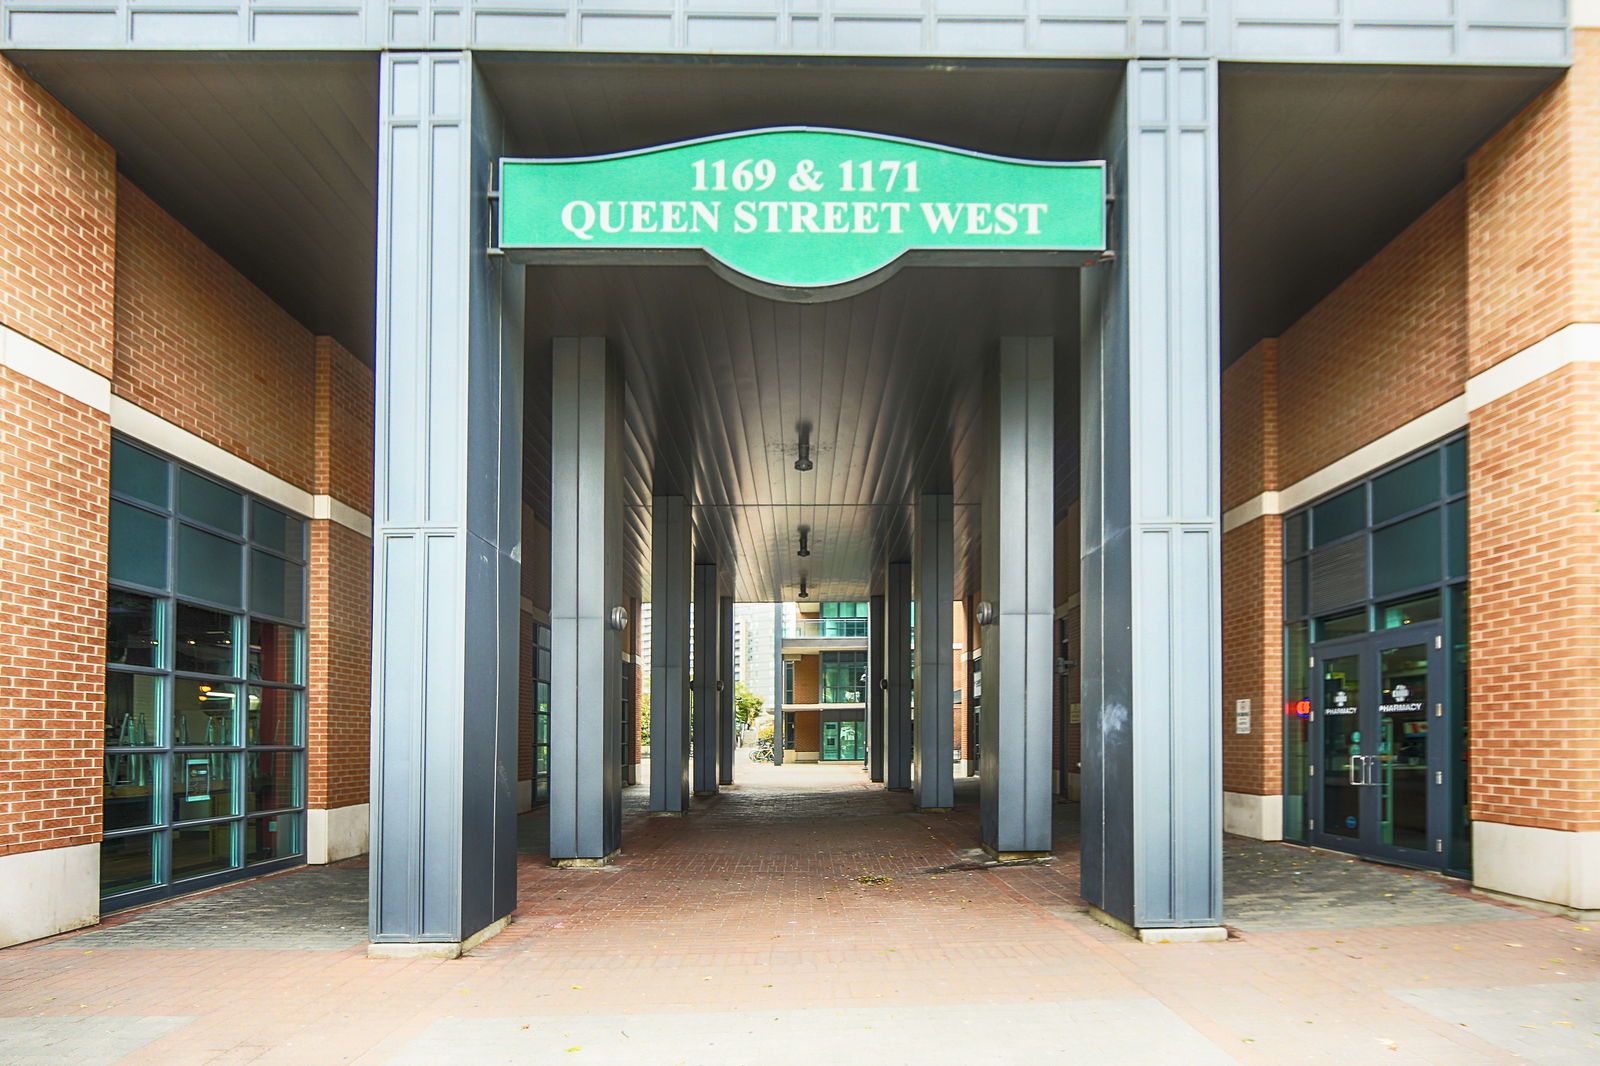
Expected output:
{"points": [[1250, 425], [55, 457], [339, 658], [1252, 655], [1534, 537], [58, 217], [1387, 345], [343, 440], [200, 346]]}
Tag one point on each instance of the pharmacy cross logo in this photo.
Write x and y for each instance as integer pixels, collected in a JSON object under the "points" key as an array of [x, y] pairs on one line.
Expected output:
{"points": [[1340, 698], [1400, 692]]}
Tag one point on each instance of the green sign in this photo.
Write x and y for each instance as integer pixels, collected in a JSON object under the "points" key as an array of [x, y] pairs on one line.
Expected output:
{"points": [[800, 208]]}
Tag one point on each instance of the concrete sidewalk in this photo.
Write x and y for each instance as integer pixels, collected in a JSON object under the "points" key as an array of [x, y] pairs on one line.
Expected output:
{"points": [[803, 917]]}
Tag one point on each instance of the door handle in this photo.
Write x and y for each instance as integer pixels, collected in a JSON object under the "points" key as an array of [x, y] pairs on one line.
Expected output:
{"points": [[1358, 766]]}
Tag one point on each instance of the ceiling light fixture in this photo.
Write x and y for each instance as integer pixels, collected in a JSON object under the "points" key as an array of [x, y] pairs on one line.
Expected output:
{"points": [[803, 462], [805, 542], [803, 593]]}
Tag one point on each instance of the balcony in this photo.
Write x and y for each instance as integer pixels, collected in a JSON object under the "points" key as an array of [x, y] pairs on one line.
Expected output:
{"points": [[824, 634]]}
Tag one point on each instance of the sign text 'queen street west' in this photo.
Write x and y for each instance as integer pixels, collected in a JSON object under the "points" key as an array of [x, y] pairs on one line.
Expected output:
{"points": [[797, 209]]}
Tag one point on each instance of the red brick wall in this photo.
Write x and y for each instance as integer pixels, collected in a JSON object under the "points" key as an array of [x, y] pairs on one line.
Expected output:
{"points": [[808, 679], [1388, 344], [343, 433], [200, 346], [54, 494], [1252, 655], [58, 216], [1250, 425], [340, 650], [1534, 213], [1534, 540], [1252, 574]]}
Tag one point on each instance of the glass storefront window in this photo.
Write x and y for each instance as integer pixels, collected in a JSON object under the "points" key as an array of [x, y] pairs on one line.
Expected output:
{"points": [[1400, 559], [133, 710], [1339, 517], [205, 641], [202, 785], [276, 653], [1409, 612], [127, 863], [274, 717], [190, 745], [138, 546], [204, 849], [133, 625], [844, 677], [204, 713]]}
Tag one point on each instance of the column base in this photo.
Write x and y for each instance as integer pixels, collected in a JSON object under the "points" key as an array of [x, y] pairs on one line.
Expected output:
{"points": [[668, 814], [933, 810], [897, 788], [1193, 934], [1015, 856], [449, 949], [585, 864], [705, 795]]}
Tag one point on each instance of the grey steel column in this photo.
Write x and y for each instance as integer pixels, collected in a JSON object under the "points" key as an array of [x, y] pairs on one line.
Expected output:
{"points": [[1152, 759], [1018, 593], [447, 519], [933, 588], [670, 564], [897, 671], [707, 643], [777, 685], [586, 529], [727, 722], [877, 696]]}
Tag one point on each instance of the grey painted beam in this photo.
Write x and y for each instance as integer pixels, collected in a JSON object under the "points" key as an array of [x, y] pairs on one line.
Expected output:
{"points": [[877, 696], [707, 711], [897, 672], [586, 532], [1019, 589], [447, 520], [777, 684], [1403, 31], [933, 588], [727, 721], [1151, 609], [671, 562]]}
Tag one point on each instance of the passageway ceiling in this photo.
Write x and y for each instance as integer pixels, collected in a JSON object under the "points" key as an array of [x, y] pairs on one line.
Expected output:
{"points": [[272, 160]]}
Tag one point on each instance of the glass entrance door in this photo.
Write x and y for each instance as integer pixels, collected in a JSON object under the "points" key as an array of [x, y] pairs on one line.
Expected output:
{"points": [[1377, 763], [844, 741]]}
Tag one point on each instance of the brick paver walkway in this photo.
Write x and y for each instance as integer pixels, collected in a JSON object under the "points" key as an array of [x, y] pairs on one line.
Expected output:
{"points": [[803, 917]]}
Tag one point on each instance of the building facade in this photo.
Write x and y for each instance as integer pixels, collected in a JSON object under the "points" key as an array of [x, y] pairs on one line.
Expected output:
{"points": [[327, 526]]}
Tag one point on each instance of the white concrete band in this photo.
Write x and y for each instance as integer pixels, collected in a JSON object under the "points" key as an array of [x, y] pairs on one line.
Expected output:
{"points": [[1256, 817], [47, 892], [1584, 14], [1546, 865], [131, 420], [1575, 343], [337, 833], [33, 360]]}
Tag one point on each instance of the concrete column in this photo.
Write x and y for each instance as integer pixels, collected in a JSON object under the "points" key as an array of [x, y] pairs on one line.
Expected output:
{"points": [[1152, 820], [933, 588], [447, 519], [897, 671], [877, 696], [585, 584], [707, 672], [727, 722], [1017, 598], [777, 685], [671, 562]]}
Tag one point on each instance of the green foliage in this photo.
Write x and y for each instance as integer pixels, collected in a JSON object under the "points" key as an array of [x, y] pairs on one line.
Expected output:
{"points": [[747, 706]]}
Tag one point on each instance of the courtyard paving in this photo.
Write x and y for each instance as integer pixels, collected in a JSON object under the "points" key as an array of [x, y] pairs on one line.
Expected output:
{"points": [[804, 917]]}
